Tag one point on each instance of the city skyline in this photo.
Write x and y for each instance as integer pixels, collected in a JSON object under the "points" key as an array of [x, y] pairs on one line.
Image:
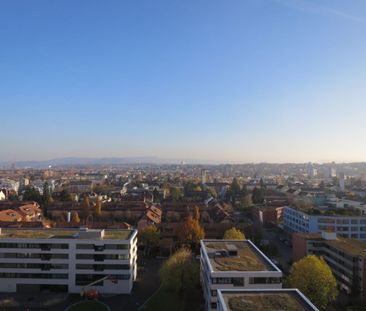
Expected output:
{"points": [[240, 81]]}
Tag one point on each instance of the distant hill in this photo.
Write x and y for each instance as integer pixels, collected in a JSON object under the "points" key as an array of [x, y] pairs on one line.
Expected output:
{"points": [[75, 161]]}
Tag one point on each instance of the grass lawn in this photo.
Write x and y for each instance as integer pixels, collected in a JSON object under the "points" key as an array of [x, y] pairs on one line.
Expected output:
{"points": [[167, 300], [88, 306]]}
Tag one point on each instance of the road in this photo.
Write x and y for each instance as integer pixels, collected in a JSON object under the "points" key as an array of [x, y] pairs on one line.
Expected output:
{"points": [[284, 252]]}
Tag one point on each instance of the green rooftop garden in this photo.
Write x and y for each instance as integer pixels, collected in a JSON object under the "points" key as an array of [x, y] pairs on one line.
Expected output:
{"points": [[263, 302], [247, 260], [58, 234]]}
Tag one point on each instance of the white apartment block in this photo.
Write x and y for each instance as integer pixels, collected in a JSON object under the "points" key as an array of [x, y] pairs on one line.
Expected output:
{"points": [[346, 226], [263, 299], [68, 260], [229, 264]]}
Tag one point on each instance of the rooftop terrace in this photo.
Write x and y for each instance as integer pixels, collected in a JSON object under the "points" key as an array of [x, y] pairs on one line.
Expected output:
{"points": [[235, 256], [65, 234], [279, 300]]}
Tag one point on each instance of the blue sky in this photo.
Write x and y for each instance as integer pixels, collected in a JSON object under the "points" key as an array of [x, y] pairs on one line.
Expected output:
{"points": [[228, 81]]}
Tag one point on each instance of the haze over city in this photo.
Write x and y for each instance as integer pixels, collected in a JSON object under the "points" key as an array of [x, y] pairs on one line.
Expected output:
{"points": [[221, 81]]}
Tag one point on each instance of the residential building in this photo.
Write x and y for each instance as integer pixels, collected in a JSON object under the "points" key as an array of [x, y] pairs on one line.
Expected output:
{"points": [[311, 171], [345, 257], [30, 212], [263, 300], [79, 186], [68, 260], [228, 264], [347, 226], [151, 217], [10, 215]]}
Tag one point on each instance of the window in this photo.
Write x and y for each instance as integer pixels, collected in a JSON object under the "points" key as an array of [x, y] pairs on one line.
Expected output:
{"points": [[264, 280], [238, 281], [221, 280], [33, 276]]}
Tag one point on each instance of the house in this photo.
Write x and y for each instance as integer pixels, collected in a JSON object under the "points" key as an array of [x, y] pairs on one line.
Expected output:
{"points": [[152, 216], [10, 215], [30, 212]]}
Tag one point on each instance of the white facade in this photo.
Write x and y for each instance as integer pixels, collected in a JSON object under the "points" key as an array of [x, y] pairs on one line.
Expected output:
{"points": [[353, 227], [214, 278], [68, 260]]}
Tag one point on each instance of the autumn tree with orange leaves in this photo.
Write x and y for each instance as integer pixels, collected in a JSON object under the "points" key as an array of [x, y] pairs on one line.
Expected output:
{"points": [[191, 232]]}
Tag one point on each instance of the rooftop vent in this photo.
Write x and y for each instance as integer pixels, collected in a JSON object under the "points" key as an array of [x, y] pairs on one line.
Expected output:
{"points": [[85, 233], [232, 250], [329, 235], [221, 253]]}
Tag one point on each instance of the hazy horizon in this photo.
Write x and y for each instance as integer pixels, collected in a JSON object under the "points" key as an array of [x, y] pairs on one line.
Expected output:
{"points": [[251, 81], [159, 160]]}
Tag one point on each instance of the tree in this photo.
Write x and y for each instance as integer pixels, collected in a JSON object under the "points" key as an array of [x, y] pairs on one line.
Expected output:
{"points": [[156, 196], [197, 188], [180, 272], [244, 191], [258, 195], [234, 190], [262, 184], [32, 194], [234, 234], [235, 187], [313, 277], [75, 217], [175, 193], [65, 196], [149, 237], [86, 206], [190, 231], [212, 192], [247, 202], [46, 198], [188, 187], [98, 206], [196, 214]]}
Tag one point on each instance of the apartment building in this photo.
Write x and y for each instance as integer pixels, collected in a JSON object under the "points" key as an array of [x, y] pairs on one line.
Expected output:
{"points": [[346, 226], [345, 257], [263, 299], [67, 260], [228, 264]]}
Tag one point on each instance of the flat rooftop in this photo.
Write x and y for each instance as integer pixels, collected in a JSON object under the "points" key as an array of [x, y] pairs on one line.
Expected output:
{"points": [[266, 300], [350, 246], [226, 255], [333, 212], [65, 234]]}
